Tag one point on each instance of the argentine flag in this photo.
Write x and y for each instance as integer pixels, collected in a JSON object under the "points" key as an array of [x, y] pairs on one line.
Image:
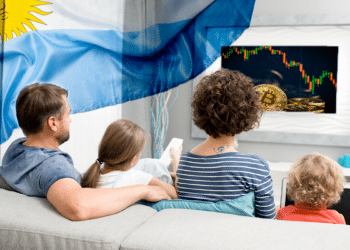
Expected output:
{"points": [[109, 52]]}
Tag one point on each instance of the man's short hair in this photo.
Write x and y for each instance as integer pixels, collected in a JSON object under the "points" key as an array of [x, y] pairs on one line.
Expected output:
{"points": [[36, 103], [226, 103]]}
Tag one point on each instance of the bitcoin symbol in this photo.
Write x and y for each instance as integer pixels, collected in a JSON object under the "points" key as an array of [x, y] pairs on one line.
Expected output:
{"points": [[272, 97], [269, 98]]}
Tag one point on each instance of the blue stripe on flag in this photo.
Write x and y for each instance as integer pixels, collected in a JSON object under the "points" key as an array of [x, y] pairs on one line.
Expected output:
{"points": [[107, 67]]}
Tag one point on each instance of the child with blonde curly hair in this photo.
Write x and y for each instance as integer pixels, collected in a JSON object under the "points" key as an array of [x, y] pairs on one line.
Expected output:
{"points": [[315, 182]]}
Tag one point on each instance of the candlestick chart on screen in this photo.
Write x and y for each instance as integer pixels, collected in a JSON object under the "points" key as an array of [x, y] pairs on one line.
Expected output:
{"points": [[306, 74]]}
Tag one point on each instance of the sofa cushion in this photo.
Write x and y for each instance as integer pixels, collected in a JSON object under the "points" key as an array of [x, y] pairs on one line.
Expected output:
{"points": [[32, 223], [189, 229], [243, 205]]}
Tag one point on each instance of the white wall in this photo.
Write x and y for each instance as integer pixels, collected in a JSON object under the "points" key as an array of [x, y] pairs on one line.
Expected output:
{"points": [[271, 13], [300, 12], [139, 111]]}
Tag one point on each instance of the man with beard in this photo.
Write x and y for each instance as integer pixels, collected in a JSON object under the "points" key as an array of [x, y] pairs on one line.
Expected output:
{"points": [[35, 166]]}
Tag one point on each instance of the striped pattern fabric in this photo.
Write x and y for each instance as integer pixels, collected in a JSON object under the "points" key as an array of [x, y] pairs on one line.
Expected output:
{"points": [[224, 177]]}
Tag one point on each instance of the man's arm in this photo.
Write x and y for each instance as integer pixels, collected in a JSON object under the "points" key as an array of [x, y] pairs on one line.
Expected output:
{"points": [[171, 191], [77, 203]]}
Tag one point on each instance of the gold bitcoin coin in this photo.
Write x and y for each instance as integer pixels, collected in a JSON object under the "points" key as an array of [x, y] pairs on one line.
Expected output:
{"points": [[310, 104], [272, 97]]}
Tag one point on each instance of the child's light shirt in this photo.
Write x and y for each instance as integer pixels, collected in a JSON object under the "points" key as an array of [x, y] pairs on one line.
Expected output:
{"points": [[131, 177]]}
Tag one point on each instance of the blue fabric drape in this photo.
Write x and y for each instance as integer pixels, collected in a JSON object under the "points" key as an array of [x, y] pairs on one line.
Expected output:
{"points": [[107, 67]]}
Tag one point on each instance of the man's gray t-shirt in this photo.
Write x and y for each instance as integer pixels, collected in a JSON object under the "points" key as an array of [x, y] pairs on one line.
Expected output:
{"points": [[32, 170]]}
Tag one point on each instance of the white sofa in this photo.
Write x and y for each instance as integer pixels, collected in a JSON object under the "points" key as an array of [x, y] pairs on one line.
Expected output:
{"points": [[32, 223]]}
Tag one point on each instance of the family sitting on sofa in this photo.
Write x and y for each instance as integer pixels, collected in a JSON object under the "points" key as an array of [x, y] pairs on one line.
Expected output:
{"points": [[213, 176]]}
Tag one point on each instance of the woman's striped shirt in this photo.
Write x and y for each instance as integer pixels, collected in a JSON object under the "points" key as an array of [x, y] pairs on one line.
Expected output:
{"points": [[224, 177]]}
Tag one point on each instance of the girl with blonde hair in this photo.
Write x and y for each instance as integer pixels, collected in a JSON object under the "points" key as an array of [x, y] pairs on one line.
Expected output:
{"points": [[119, 151], [315, 182]]}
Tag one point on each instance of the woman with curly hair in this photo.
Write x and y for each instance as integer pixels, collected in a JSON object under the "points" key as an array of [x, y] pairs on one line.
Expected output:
{"points": [[224, 104], [314, 183]]}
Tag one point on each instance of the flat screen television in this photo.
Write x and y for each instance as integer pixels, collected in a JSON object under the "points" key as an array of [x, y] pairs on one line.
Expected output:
{"points": [[305, 75]]}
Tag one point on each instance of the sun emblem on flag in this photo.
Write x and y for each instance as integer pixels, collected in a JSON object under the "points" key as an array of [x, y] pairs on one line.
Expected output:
{"points": [[15, 13]]}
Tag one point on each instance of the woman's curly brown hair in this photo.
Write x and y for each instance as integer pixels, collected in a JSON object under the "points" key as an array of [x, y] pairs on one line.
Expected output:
{"points": [[226, 103], [316, 180]]}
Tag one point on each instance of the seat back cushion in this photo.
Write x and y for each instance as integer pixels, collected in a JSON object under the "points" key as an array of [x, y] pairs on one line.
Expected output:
{"points": [[184, 229], [33, 223]]}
